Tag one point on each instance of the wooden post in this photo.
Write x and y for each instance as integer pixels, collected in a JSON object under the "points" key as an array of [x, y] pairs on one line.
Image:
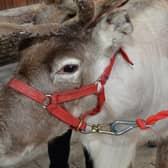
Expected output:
{"points": [[6, 4], [19, 2], [2, 4]]}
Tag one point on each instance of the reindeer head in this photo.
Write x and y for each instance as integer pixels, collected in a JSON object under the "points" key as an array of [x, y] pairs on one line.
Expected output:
{"points": [[53, 58]]}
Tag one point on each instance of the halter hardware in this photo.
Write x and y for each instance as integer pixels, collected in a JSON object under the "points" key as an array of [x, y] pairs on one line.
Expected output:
{"points": [[117, 128], [47, 101]]}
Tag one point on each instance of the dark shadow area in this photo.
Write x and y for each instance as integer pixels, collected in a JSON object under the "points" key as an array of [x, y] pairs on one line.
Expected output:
{"points": [[58, 151]]}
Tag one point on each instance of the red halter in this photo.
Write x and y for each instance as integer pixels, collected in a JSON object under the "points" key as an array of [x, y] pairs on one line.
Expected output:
{"points": [[52, 102]]}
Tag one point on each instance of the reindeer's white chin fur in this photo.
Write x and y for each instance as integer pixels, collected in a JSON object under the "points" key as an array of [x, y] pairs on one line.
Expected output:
{"points": [[29, 153], [134, 92]]}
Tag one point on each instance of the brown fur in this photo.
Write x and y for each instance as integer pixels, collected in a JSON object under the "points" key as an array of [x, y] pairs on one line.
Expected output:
{"points": [[162, 154]]}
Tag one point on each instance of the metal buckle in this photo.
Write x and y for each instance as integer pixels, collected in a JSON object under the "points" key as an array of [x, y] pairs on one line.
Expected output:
{"points": [[99, 85], [47, 101], [98, 128], [79, 126]]}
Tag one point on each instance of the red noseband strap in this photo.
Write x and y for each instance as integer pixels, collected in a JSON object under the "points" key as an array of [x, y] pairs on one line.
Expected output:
{"points": [[27, 90], [52, 102]]}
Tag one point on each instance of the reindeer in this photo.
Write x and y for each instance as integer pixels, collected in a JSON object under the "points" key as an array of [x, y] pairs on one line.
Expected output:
{"points": [[53, 58], [61, 59]]}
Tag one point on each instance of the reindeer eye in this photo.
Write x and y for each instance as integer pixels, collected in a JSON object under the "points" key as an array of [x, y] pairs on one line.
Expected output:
{"points": [[71, 68]]}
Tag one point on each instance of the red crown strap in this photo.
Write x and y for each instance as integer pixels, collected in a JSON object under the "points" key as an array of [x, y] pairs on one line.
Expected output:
{"points": [[125, 56], [104, 77]]}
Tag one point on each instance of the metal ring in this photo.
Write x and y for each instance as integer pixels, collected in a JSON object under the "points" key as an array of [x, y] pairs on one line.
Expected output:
{"points": [[79, 126], [47, 101]]}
